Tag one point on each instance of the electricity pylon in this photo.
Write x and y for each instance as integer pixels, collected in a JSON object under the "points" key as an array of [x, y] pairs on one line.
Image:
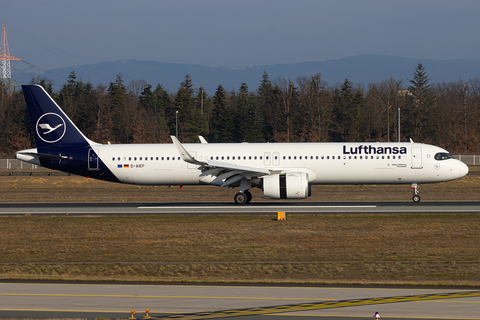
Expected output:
{"points": [[5, 58]]}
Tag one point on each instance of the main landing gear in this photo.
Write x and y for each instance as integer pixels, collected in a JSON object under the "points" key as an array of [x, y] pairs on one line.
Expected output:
{"points": [[416, 197], [243, 197]]}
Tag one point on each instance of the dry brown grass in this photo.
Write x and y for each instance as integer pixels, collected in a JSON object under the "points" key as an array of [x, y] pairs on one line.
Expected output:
{"points": [[362, 249]]}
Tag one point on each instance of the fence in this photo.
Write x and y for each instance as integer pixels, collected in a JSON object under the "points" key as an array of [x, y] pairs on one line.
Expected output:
{"points": [[469, 159], [14, 164]]}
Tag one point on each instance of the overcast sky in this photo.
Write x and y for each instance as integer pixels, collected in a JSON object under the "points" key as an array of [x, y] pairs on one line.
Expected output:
{"points": [[53, 34]]}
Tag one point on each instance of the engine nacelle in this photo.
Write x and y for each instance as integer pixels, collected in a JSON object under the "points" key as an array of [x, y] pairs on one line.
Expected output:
{"points": [[290, 185]]}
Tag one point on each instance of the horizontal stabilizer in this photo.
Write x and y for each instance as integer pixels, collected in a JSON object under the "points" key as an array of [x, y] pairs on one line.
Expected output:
{"points": [[37, 158]]}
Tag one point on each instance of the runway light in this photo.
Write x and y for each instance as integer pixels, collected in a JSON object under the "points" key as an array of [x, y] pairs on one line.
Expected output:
{"points": [[146, 313], [377, 315], [131, 314]]}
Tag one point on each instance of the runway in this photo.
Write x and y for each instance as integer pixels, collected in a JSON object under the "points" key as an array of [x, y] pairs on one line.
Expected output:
{"points": [[62, 300], [230, 208]]}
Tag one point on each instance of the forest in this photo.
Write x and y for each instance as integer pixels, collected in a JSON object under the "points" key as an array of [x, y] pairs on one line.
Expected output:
{"points": [[305, 109]]}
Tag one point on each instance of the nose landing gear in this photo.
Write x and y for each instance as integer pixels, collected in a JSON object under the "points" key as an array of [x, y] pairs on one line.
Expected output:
{"points": [[416, 197]]}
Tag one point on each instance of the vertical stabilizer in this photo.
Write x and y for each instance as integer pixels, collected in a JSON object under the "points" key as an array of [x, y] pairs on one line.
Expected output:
{"points": [[51, 126]]}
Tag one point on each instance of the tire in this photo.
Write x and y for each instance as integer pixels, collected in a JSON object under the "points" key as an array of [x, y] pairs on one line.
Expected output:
{"points": [[416, 198], [249, 196], [241, 198]]}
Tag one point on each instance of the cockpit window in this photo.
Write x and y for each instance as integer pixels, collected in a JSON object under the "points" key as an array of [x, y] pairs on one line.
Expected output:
{"points": [[443, 156]]}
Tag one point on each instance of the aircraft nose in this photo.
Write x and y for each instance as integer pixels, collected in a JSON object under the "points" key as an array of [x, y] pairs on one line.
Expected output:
{"points": [[462, 169]]}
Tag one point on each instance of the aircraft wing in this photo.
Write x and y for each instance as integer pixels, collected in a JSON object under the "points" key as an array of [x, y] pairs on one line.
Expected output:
{"points": [[229, 172]]}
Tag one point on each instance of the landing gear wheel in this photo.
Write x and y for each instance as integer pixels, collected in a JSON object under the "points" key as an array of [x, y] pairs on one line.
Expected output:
{"points": [[241, 198], [416, 197], [249, 196]]}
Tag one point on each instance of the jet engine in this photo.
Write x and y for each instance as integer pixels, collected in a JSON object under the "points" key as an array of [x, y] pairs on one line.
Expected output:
{"points": [[290, 185]]}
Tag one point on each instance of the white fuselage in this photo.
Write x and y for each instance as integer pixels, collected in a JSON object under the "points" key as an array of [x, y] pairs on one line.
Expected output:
{"points": [[325, 163]]}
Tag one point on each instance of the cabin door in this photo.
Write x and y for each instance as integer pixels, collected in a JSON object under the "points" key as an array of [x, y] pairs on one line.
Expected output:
{"points": [[276, 158], [93, 159], [417, 158], [266, 158]]}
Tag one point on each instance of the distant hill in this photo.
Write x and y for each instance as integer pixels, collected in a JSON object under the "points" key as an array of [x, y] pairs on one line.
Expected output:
{"points": [[357, 69]]}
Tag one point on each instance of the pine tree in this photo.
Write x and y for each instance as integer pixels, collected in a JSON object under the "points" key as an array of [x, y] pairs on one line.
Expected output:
{"points": [[221, 122], [184, 106], [121, 116], [342, 113], [241, 125], [421, 100]]}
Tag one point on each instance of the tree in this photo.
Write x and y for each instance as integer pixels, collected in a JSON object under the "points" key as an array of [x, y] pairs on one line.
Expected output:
{"points": [[121, 110], [221, 122], [241, 114], [420, 102]]}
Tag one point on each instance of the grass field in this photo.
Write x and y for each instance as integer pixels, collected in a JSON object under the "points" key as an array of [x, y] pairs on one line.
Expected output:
{"points": [[333, 249]]}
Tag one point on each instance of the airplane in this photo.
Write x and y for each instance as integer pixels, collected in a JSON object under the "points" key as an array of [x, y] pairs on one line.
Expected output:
{"points": [[281, 170]]}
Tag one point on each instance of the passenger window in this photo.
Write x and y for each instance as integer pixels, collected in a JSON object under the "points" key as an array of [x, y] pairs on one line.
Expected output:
{"points": [[162, 158], [289, 157], [294, 157], [140, 158], [300, 157], [113, 159], [328, 157], [249, 157], [261, 157], [255, 158], [157, 158], [129, 158], [233, 158]]}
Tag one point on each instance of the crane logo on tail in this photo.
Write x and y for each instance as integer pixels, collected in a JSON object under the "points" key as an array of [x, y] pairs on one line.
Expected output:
{"points": [[51, 127]]}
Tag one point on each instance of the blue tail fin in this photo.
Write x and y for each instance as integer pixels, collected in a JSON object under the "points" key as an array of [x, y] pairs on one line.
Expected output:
{"points": [[51, 126]]}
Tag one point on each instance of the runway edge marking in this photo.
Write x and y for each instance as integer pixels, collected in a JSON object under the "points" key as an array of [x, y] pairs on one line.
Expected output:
{"points": [[318, 305]]}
